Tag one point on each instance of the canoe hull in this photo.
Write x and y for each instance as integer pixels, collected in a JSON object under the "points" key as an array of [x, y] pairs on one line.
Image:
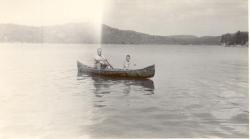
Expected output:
{"points": [[147, 72]]}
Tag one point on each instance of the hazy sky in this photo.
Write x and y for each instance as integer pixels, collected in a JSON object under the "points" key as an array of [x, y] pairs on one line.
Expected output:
{"points": [[169, 17], [163, 17]]}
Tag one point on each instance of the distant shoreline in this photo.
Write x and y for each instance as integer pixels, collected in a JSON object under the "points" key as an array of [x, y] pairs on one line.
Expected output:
{"points": [[80, 33], [188, 45]]}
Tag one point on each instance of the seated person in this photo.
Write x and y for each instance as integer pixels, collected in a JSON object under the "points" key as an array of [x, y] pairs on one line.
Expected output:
{"points": [[100, 60], [127, 64]]}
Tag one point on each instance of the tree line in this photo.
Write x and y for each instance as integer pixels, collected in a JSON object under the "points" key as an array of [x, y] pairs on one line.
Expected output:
{"points": [[238, 38]]}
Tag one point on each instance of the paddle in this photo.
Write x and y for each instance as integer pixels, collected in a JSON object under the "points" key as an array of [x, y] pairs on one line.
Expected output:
{"points": [[109, 64]]}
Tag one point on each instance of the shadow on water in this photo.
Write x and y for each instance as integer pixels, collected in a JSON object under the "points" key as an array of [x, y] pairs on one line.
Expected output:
{"points": [[106, 85]]}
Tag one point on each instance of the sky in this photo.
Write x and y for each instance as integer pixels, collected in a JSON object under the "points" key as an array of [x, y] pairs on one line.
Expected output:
{"points": [[159, 17]]}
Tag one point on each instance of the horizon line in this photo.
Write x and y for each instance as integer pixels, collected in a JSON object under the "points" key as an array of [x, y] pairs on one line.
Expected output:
{"points": [[85, 22]]}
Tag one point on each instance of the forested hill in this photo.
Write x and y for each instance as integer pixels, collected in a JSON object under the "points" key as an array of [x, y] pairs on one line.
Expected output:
{"points": [[113, 35], [85, 33]]}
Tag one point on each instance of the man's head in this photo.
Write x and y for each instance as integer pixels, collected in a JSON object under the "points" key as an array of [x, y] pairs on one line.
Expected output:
{"points": [[128, 58], [99, 51]]}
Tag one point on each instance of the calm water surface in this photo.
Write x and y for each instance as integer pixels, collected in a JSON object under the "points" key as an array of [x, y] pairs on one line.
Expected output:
{"points": [[198, 91]]}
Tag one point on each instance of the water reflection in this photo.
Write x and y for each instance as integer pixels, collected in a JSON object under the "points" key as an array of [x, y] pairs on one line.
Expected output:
{"points": [[106, 85]]}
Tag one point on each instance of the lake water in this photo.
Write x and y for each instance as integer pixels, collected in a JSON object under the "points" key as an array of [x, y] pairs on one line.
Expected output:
{"points": [[198, 91]]}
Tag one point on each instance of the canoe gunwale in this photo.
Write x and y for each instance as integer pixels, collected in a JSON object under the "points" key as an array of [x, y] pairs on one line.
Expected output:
{"points": [[146, 72]]}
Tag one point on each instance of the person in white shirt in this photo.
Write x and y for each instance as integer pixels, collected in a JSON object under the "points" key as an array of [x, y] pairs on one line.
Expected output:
{"points": [[127, 64], [100, 61]]}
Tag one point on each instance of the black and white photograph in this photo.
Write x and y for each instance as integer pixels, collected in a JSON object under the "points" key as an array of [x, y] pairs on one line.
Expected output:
{"points": [[115, 69]]}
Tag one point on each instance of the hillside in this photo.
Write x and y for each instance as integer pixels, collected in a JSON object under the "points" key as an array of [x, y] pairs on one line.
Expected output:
{"points": [[85, 33], [116, 36]]}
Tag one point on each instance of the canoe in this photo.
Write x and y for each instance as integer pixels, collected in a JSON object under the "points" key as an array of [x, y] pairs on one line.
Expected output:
{"points": [[147, 72]]}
